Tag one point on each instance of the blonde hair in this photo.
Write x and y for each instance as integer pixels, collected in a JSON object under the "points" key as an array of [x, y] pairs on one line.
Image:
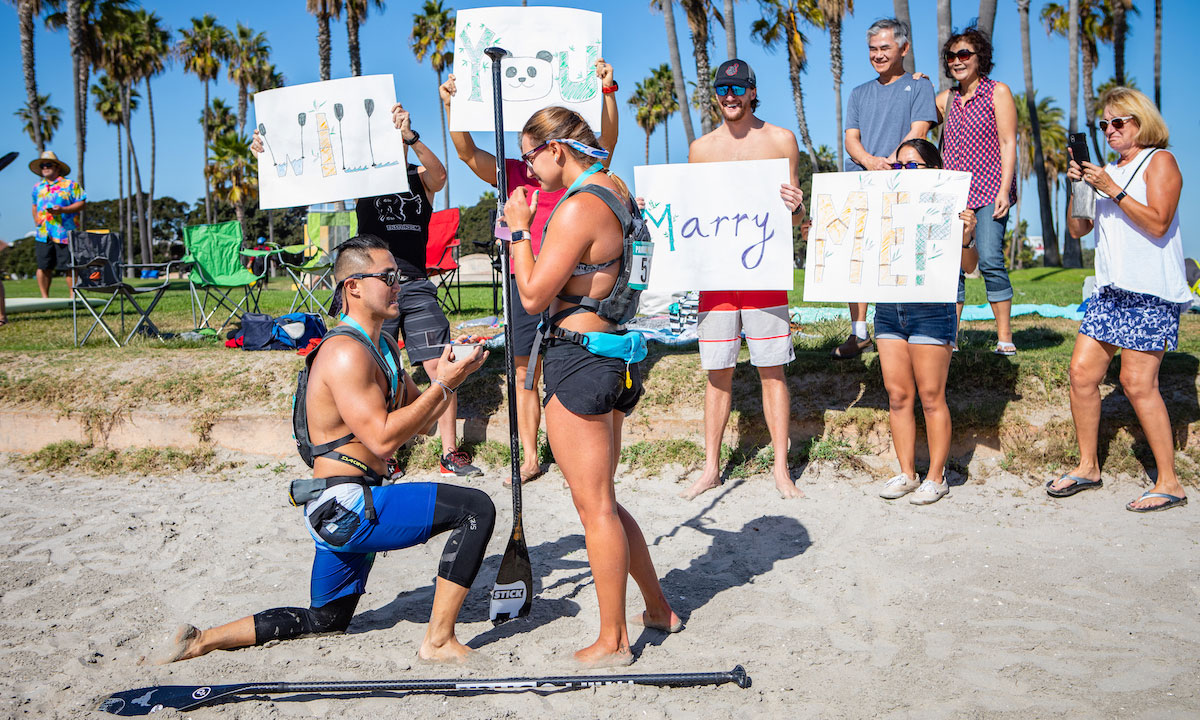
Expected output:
{"points": [[1152, 129], [553, 123]]}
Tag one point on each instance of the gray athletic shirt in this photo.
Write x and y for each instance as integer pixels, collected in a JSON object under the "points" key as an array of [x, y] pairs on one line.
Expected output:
{"points": [[883, 114]]}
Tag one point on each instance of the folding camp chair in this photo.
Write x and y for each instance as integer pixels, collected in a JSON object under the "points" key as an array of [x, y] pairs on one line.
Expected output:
{"points": [[215, 254], [97, 262], [312, 273], [441, 257]]}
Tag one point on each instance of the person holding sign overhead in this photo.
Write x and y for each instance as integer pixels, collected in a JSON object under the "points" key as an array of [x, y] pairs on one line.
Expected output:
{"points": [[593, 378], [483, 164], [762, 314]]}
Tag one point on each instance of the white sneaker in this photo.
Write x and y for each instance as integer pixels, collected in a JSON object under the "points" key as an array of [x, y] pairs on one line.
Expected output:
{"points": [[898, 487], [929, 492]]}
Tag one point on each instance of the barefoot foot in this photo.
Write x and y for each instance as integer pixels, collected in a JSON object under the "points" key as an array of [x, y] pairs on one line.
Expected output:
{"points": [[595, 657], [450, 652], [707, 481], [787, 489], [178, 646], [668, 624]]}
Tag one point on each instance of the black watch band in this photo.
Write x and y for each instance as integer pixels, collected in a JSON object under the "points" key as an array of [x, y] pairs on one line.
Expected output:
{"points": [[415, 138], [1119, 197]]}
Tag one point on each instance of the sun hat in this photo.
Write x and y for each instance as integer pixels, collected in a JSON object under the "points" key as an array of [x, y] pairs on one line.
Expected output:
{"points": [[48, 156]]}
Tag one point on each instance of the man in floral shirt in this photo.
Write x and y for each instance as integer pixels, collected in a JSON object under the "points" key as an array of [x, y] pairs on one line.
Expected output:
{"points": [[56, 205]]}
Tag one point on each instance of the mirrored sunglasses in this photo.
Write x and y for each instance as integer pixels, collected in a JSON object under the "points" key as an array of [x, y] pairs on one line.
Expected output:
{"points": [[908, 165], [737, 90], [1117, 122]]}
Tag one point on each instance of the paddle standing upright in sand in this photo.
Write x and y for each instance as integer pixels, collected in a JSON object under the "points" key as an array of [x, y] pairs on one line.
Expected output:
{"points": [[512, 595]]}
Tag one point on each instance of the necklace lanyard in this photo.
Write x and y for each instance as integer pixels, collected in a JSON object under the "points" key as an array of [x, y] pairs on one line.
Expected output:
{"points": [[392, 371], [586, 174]]}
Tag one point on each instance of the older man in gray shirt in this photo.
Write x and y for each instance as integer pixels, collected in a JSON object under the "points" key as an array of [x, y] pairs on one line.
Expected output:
{"points": [[881, 114]]}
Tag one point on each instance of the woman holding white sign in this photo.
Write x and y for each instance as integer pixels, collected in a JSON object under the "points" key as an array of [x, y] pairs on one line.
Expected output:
{"points": [[483, 164], [915, 342], [1141, 288], [591, 384]]}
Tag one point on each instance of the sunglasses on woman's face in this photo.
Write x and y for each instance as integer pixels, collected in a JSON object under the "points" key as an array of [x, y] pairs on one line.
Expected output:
{"points": [[908, 166], [1117, 122], [723, 90], [963, 55], [47, 165]]}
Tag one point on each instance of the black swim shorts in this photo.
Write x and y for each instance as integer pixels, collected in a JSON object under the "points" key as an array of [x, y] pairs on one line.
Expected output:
{"points": [[588, 384], [52, 256]]}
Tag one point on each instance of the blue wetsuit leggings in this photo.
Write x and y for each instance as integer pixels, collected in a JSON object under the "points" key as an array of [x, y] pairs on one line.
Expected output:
{"points": [[467, 513]]}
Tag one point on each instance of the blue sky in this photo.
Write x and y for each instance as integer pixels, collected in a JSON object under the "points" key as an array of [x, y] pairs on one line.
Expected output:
{"points": [[634, 41]]}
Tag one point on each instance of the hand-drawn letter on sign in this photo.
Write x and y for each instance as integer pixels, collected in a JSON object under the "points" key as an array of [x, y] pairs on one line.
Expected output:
{"points": [[552, 61], [717, 226], [889, 236], [328, 141]]}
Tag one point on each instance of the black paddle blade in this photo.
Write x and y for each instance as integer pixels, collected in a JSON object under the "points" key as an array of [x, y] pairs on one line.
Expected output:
{"points": [[8, 158], [144, 701], [512, 595]]}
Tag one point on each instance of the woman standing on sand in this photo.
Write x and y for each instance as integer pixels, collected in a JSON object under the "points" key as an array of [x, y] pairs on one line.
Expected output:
{"points": [[587, 395]]}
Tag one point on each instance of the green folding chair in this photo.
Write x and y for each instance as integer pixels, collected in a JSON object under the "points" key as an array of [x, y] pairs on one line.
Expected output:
{"points": [[312, 273], [215, 254]]}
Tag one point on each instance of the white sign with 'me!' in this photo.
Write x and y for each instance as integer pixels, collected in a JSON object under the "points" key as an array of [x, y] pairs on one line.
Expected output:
{"points": [[717, 226]]}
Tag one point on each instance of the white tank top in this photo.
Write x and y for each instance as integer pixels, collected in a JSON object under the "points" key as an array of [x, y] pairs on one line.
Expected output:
{"points": [[1129, 258]]}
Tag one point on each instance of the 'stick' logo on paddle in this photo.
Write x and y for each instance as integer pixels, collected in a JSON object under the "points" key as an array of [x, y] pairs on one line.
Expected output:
{"points": [[508, 594]]}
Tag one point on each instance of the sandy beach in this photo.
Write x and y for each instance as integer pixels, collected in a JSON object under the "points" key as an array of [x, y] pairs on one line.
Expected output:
{"points": [[995, 602]]}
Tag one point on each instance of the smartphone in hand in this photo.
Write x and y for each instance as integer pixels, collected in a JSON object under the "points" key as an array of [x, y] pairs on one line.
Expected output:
{"points": [[1077, 142]]}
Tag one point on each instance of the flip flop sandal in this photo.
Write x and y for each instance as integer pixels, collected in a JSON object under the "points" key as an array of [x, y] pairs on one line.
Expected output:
{"points": [[1079, 485], [1005, 349], [1172, 501]]}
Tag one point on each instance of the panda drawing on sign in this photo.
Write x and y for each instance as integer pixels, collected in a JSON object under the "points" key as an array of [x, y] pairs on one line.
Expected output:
{"points": [[528, 78]]}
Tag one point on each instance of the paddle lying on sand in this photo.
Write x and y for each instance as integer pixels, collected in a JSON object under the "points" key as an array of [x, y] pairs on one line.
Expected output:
{"points": [[512, 595], [144, 701]]}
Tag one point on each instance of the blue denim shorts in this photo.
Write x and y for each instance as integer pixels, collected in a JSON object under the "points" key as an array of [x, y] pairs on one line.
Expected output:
{"points": [[918, 323]]}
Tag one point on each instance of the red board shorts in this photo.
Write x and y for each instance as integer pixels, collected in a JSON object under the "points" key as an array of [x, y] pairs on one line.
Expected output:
{"points": [[761, 314]]}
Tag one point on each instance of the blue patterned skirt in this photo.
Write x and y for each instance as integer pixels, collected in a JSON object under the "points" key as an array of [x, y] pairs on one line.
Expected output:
{"points": [[1132, 320]]}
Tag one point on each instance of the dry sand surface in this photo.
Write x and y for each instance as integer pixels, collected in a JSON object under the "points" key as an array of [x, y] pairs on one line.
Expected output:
{"points": [[995, 602]]}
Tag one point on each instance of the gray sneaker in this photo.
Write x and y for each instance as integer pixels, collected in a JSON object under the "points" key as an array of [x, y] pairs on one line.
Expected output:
{"points": [[457, 463], [898, 487], [929, 493]]}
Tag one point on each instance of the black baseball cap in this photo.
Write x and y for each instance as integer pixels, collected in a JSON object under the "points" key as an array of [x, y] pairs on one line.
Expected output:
{"points": [[735, 72]]}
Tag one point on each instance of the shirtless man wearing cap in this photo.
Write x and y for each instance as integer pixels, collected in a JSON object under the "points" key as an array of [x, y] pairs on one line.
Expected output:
{"points": [[762, 315]]}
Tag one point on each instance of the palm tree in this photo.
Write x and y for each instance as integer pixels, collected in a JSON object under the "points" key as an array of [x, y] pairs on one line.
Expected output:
{"points": [[41, 121], [221, 118], [1120, 12], [268, 78], [356, 14], [202, 50], [780, 23], [833, 11], [944, 24], [109, 103], [26, 9], [665, 102], [324, 10], [234, 172], [1158, 54], [433, 35], [987, 16], [646, 115], [730, 31], [1095, 26], [900, 10], [698, 12], [153, 50], [1051, 258], [248, 51], [668, 10], [1054, 140]]}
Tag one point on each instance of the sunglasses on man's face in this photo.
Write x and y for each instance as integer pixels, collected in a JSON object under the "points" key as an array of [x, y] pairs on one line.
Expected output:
{"points": [[389, 277], [908, 165], [47, 165], [1117, 122], [737, 90], [962, 55]]}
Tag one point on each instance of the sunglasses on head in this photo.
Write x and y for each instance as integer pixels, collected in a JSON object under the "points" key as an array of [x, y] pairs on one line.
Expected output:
{"points": [[389, 277], [1117, 122], [962, 55], [737, 90], [908, 165]]}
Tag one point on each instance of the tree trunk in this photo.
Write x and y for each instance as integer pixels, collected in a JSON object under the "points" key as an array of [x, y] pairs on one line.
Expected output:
{"points": [[271, 226], [944, 22], [730, 31], [1072, 248], [703, 75], [668, 8], [900, 10], [1049, 239], [75, 35], [1073, 70], [666, 142], [323, 48], [647, 147], [445, 147], [1014, 244], [143, 232], [352, 41], [835, 61], [25, 21], [1089, 96], [1120, 28], [127, 219], [987, 16], [243, 105], [1158, 54], [208, 208], [798, 98], [120, 225], [153, 160]]}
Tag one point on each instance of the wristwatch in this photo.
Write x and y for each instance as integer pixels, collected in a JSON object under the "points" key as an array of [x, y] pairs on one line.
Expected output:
{"points": [[415, 138], [518, 236], [1119, 197], [970, 244]]}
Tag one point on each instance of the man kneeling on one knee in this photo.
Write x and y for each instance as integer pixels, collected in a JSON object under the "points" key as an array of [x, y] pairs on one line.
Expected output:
{"points": [[360, 407]]}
